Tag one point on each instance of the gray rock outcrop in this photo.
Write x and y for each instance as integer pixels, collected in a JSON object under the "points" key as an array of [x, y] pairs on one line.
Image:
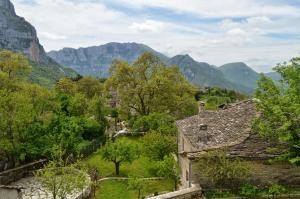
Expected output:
{"points": [[18, 35], [96, 60]]}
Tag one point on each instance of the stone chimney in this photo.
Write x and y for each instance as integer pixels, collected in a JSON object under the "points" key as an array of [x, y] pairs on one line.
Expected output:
{"points": [[201, 106]]}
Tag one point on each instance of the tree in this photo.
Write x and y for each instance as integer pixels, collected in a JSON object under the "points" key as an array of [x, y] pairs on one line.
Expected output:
{"points": [[97, 109], [14, 64], [62, 180], [136, 184], [279, 105], [223, 170], [66, 85], [78, 105], [149, 86], [16, 114], [168, 168], [89, 86], [115, 114], [119, 152], [66, 132], [156, 145], [160, 122]]}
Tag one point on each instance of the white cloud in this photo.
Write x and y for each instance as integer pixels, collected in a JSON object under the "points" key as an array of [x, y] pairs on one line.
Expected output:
{"points": [[68, 23], [218, 8], [52, 36], [147, 26]]}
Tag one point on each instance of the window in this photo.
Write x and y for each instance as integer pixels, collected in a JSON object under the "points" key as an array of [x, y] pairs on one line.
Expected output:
{"points": [[186, 175]]}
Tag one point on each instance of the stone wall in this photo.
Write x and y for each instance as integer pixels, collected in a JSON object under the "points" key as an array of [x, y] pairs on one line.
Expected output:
{"points": [[10, 193], [8, 176], [260, 173], [194, 192], [184, 146]]}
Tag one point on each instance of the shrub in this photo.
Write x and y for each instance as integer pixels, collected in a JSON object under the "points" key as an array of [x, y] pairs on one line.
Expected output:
{"points": [[222, 170], [248, 191], [276, 189]]}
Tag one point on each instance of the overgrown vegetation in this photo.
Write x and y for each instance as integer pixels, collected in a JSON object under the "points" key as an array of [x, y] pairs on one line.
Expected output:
{"points": [[250, 191], [223, 171], [279, 105], [215, 97], [34, 119]]}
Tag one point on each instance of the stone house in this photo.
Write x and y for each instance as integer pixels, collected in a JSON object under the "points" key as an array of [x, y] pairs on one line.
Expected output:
{"points": [[228, 128]]}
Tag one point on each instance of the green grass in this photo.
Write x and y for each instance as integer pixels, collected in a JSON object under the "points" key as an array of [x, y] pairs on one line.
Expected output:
{"points": [[119, 189], [141, 167]]}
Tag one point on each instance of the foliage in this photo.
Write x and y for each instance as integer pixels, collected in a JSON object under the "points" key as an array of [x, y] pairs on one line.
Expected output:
{"points": [[14, 64], [160, 122], [222, 170], [280, 108], [119, 189], [218, 194], [156, 145], [136, 184], [34, 119], [276, 189], [214, 97], [62, 181], [248, 191], [168, 168], [149, 86], [119, 152]]}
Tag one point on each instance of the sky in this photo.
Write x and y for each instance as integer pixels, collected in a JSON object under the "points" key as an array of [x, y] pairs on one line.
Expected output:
{"points": [[261, 33]]}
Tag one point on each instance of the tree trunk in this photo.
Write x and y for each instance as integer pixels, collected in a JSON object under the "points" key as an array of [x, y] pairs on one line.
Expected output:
{"points": [[139, 194], [117, 165], [175, 184]]}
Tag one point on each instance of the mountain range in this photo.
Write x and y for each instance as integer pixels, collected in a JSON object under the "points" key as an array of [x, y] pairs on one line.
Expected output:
{"points": [[95, 61], [19, 35]]}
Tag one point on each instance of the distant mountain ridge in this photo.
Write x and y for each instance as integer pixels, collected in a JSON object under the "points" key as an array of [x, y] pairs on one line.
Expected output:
{"points": [[200, 73], [18, 35], [96, 60], [240, 74]]}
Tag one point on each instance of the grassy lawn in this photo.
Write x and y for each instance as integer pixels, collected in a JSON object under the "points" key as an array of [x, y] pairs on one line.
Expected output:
{"points": [[118, 189], [139, 168]]}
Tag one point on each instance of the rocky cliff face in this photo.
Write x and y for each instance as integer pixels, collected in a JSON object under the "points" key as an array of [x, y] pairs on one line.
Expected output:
{"points": [[18, 35], [97, 59]]}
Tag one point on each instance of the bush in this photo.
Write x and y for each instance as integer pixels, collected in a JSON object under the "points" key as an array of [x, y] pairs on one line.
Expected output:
{"points": [[248, 191], [223, 171], [276, 189], [92, 129]]}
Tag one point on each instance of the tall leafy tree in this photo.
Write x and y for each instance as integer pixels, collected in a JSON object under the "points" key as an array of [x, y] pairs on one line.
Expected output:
{"points": [[279, 105], [149, 86], [14, 64], [160, 122]]}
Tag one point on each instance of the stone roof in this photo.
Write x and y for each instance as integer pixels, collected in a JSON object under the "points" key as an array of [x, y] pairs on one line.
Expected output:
{"points": [[216, 129]]}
